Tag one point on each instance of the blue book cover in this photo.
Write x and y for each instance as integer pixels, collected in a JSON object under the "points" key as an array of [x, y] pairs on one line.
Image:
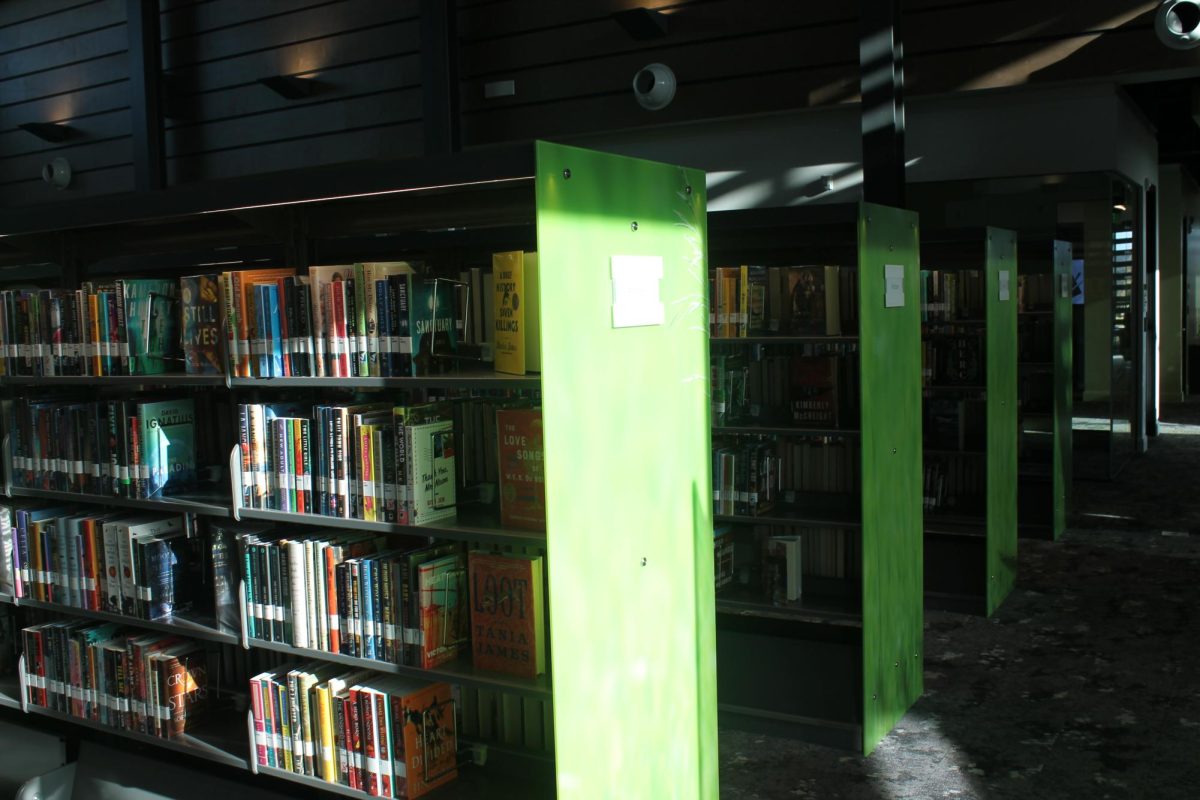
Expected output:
{"points": [[158, 589], [168, 445], [274, 343], [261, 331], [365, 606]]}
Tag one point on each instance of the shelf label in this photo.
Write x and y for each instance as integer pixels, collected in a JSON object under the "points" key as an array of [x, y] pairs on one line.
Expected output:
{"points": [[636, 291], [1003, 286], [893, 285], [1064, 285]]}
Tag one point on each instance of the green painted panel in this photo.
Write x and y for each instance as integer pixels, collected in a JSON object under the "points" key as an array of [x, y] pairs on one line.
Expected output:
{"points": [[628, 500], [1001, 363], [1063, 391], [892, 568]]}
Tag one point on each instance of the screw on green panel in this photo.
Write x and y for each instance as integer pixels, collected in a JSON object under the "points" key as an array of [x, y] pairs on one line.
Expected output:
{"points": [[633, 225], [566, 174]]}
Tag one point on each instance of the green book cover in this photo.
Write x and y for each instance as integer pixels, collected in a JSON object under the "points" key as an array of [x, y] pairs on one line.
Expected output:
{"points": [[151, 324], [168, 445], [432, 326]]}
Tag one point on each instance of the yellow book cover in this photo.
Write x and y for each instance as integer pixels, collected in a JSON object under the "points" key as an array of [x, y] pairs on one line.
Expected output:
{"points": [[515, 300], [325, 733]]}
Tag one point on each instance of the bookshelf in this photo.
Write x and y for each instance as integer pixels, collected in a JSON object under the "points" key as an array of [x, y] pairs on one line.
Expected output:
{"points": [[1044, 389], [628, 526], [841, 663], [970, 417]]}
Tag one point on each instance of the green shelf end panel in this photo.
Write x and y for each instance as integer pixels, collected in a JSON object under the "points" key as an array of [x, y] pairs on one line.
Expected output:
{"points": [[892, 538], [1001, 363], [1063, 392], [628, 501]]}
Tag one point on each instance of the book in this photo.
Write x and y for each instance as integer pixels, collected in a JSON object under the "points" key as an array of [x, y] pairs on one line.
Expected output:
{"points": [[782, 569], [168, 445], [813, 304], [431, 324], [441, 587], [431, 452], [507, 613], [515, 308], [152, 325], [522, 468], [814, 390]]}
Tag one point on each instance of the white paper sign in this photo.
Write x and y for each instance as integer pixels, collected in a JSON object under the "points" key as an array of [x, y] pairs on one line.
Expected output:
{"points": [[636, 291], [1064, 285], [1003, 285], [893, 285]]}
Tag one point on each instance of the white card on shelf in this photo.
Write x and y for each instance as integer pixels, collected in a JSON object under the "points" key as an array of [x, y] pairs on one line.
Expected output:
{"points": [[893, 285], [636, 291], [1003, 285]]}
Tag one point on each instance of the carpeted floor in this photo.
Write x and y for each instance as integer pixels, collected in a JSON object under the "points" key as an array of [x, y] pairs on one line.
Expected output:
{"points": [[1085, 684]]}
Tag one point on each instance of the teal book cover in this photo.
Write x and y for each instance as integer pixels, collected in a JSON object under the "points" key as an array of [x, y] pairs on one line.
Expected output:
{"points": [[431, 324], [152, 325], [169, 445]]}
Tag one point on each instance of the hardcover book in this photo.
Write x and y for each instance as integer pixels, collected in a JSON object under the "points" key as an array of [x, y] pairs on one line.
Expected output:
{"points": [[168, 445], [442, 602], [430, 450], [151, 325], [515, 306], [507, 613], [431, 323], [781, 569], [813, 307], [522, 468], [425, 739], [814, 391]]}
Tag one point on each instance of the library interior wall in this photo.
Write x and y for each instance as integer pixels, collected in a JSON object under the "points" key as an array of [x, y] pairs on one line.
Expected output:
{"points": [[1177, 201]]}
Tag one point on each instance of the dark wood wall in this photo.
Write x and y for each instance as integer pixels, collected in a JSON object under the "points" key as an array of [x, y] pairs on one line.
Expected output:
{"points": [[571, 65]]}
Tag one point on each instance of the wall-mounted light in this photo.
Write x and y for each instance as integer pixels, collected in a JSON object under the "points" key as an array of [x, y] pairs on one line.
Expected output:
{"points": [[290, 87], [642, 23], [1120, 207], [53, 132]]}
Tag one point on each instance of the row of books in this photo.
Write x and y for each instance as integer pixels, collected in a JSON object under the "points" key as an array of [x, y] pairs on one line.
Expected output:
{"points": [[1038, 292], [780, 559], [374, 462], [128, 327], [754, 476], [387, 736], [795, 301], [954, 484], [152, 683], [401, 602], [949, 295], [952, 355], [124, 448], [765, 388], [123, 563]]}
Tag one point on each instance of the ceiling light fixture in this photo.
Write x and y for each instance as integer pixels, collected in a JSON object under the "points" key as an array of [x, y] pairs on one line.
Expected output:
{"points": [[642, 23], [53, 132], [290, 87]]}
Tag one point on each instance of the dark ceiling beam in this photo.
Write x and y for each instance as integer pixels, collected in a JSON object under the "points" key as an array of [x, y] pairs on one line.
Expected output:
{"points": [[881, 70], [439, 76], [145, 89]]}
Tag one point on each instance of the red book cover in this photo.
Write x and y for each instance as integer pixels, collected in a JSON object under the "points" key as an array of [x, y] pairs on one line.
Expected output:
{"points": [[428, 719], [814, 387], [341, 359], [522, 474], [354, 746], [507, 614]]}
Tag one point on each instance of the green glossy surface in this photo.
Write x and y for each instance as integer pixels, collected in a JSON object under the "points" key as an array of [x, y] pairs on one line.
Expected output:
{"points": [[628, 500], [893, 572], [1063, 393], [1001, 364]]}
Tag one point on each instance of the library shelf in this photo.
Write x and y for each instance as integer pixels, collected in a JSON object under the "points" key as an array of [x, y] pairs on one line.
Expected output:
{"points": [[211, 505], [1047, 396], [468, 527], [219, 739], [182, 625], [816, 519], [472, 782], [460, 671], [115, 381], [972, 553], [813, 339], [841, 665], [454, 380], [10, 692], [781, 430], [816, 610]]}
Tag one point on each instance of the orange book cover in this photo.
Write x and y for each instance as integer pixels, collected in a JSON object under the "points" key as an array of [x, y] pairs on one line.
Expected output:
{"points": [[507, 613], [243, 288], [427, 716], [522, 472]]}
